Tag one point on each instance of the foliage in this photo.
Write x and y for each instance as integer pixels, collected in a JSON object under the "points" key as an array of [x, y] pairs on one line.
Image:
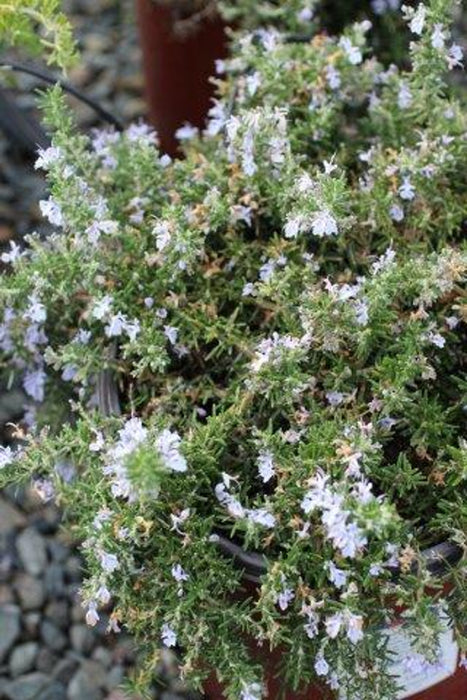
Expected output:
{"points": [[38, 26], [283, 314]]}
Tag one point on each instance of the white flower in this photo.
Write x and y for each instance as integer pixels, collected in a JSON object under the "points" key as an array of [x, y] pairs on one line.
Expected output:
{"points": [[438, 37], [248, 289], [92, 616], [168, 635], [333, 625], [452, 322], [171, 333], [109, 562], [305, 15], [284, 598], [36, 310], [102, 307], [361, 312], [384, 261], [404, 97], [186, 132], [321, 666], [93, 232], [7, 456], [406, 190], [396, 212], [131, 436], [352, 52], [168, 445], [179, 573], [260, 516], [142, 133], [132, 328], [253, 81], [178, 520], [293, 227], [265, 463], [103, 595], [333, 77], [51, 211], [436, 339], [162, 233], [165, 160], [324, 224], [454, 56], [337, 576], [334, 398], [44, 489], [13, 254], [116, 325], [418, 20], [47, 157], [251, 691], [98, 443], [69, 373], [33, 384], [354, 624], [83, 336]]}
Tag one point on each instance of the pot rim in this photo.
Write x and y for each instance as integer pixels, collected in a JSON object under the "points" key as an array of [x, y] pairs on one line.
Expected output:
{"points": [[438, 558]]}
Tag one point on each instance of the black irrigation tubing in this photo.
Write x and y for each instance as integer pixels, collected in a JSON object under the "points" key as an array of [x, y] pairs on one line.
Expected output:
{"points": [[51, 80]]}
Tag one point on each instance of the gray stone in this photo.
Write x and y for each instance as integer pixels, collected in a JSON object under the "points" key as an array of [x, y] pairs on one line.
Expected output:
{"points": [[81, 687], [78, 613], [11, 405], [46, 660], [6, 594], [58, 551], [74, 568], [10, 517], [115, 677], [32, 551], [30, 590], [103, 656], [10, 628], [54, 580], [95, 672], [31, 623], [26, 687], [52, 636], [82, 639], [54, 691], [58, 612], [22, 658], [65, 669]]}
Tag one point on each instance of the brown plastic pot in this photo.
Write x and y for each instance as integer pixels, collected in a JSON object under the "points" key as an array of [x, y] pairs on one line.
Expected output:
{"points": [[438, 559], [177, 68]]}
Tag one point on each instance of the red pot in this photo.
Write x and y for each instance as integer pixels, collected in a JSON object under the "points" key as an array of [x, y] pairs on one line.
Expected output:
{"points": [[453, 687], [177, 69]]}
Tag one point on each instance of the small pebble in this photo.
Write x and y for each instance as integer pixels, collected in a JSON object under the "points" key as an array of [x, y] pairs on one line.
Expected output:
{"points": [[22, 658], [32, 551], [52, 636]]}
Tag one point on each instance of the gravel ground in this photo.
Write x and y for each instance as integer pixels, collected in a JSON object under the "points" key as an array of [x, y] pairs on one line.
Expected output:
{"points": [[46, 650]]}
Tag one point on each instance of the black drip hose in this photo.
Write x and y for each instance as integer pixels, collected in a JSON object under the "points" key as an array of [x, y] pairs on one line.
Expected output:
{"points": [[51, 80]]}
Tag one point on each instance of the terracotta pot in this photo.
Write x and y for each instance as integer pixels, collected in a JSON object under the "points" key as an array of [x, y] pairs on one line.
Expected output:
{"points": [[453, 687], [177, 69]]}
